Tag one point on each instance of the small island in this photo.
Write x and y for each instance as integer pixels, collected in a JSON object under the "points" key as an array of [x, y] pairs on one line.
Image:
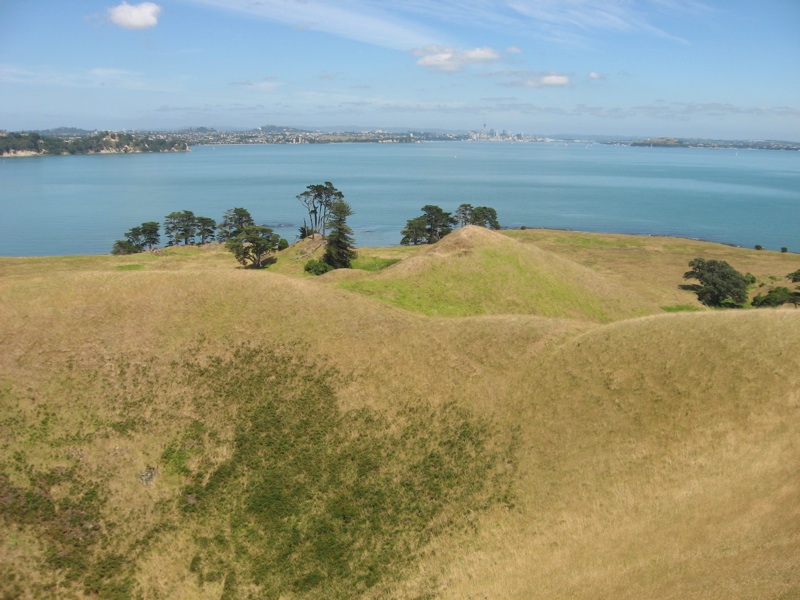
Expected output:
{"points": [[672, 142]]}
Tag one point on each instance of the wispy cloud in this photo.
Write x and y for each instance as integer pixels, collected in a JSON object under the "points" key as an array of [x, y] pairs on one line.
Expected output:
{"points": [[375, 23], [445, 58], [135, 16], [570, 22], [413, 23], [265, 85], [665, 111], [96, 77]]}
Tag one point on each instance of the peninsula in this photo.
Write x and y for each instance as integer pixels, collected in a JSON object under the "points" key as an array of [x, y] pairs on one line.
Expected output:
{"points": [[71, 141]]}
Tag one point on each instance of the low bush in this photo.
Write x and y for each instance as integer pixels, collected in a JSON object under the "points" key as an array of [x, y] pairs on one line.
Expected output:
{"points": [[317, 267]]}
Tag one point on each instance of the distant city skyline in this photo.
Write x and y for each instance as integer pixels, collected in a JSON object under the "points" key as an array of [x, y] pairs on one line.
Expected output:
{"points": [[683, 68]]}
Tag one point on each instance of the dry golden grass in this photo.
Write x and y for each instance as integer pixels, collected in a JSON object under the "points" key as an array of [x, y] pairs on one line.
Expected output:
{"points": [[653, 473], [658, 455], [653, 266]]}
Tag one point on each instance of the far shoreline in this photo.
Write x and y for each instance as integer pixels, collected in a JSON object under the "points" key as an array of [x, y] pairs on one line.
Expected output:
{"points": [[391, 246]]}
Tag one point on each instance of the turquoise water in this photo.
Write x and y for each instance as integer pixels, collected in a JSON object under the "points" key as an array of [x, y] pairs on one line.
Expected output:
{"points": [[81, 204]]}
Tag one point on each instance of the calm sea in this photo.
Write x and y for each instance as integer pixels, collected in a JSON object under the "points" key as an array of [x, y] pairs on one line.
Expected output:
{"points": [[81, 204]]}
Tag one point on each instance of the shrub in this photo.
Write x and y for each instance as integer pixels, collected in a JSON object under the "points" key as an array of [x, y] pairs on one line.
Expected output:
{"points": [[317, 267], [775, 297]]}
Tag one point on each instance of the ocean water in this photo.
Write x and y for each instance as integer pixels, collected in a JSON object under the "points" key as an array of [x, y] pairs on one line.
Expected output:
{"points": [[81, 204]]}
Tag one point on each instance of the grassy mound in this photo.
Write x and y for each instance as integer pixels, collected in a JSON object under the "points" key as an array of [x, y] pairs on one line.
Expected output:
{"points": [[474, 271]]}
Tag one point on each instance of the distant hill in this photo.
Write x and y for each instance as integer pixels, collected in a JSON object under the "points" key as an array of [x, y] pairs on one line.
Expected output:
{"points": [[35, 144], [65, 131], [279, 129]]}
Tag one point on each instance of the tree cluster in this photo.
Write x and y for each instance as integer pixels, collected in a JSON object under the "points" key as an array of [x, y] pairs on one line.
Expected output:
{"points": [[435, 223], [723, 286], [138, 239], [482, 216], [720, 283], [253, 245], [318, 200], [327, 208], [781, 294], [184, 227]]}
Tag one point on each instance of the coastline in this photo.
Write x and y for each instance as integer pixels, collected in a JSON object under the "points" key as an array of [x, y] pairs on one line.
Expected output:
{"points": [[161, 249], [32, 154]]}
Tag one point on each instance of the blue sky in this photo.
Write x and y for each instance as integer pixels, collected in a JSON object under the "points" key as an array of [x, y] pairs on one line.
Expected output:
{"points": [[724, 69]]}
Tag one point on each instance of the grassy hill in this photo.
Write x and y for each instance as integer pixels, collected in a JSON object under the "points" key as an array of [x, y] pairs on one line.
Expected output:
{"points": [[515, 415]]}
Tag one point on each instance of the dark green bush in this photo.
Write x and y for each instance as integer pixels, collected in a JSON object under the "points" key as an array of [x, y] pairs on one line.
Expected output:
{"points": [[317, 267], [775, 297]]}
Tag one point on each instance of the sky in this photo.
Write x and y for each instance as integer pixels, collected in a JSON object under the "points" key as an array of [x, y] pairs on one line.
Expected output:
{"points": [[727, 69]]}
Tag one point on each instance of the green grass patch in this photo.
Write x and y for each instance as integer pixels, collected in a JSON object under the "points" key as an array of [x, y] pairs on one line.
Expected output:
{"points": [[310, 501], [680, 308], [491, 280], [131, 267], [373, 263], [329, 503]]}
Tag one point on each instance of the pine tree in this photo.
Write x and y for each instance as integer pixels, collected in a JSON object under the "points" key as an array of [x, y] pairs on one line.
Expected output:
{"points": [[339, 244]]}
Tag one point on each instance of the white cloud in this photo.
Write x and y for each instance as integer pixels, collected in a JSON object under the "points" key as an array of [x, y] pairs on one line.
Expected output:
{"points": [[445, 58], [596, 75], [534, 78], [135, 16], [553, 80], [514, 50]]}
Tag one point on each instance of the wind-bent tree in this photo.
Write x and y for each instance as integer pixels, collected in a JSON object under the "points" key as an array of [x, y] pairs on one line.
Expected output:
{"points": [[317, 200], [414, 232], [137, 239], [150, 235], [234, 220], [484, 216], [436, 223], [206, 227], [464, 214], [254, 245], [125, 247], [180, 226], [339, 243], [720, 283]]}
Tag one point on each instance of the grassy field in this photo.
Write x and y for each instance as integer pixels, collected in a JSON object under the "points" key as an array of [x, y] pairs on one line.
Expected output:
{"points": [[520, 414]]}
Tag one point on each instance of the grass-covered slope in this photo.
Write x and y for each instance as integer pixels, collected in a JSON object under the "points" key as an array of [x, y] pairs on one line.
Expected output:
{"points": [[659, 460], [172, 425], [475, 271]]}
